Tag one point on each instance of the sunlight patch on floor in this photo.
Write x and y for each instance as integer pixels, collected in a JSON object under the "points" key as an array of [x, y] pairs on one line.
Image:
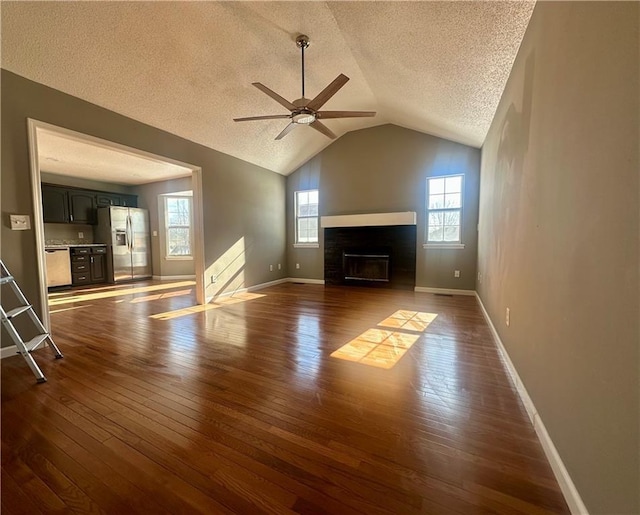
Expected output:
{"points": [[109, 294], [218, 303], [237, 298], [177, 313], [383, 355], [158, 296], [76, 291], [410, 320], [68, 309], [381, 347]]}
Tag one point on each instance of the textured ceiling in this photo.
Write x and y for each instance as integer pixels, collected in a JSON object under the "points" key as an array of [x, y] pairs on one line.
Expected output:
{"points": [[187, 67], [64, 155]]}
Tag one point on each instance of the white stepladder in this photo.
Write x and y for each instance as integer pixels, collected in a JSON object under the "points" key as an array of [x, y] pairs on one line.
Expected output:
{"points": [[25, 348]]}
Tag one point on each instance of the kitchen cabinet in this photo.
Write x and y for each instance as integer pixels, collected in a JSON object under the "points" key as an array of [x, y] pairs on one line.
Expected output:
{"points": [[129, 200], [108, 199], [116, 199], [98, 270], [88, 265], [82, 207], [55, 204], [64, 204]]}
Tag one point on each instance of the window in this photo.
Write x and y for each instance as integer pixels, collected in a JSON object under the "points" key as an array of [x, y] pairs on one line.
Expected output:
{"points": [[306, 216], [444, 209], [177, 211]]}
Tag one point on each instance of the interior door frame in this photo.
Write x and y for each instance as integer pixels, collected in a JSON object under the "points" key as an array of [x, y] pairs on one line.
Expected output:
{"points": [[33, 126]]}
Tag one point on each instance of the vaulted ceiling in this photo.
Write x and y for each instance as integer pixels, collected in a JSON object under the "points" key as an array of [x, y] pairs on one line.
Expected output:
{"points": [[187, 67]]}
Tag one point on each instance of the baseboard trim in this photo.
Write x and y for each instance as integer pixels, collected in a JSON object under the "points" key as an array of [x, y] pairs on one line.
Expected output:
{"points": [[7, 352], [568, 488], [444, 291], [172, 277], [305, 281]]}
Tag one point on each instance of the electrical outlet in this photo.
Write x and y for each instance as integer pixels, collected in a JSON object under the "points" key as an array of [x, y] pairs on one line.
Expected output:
{"points": [[507, 318], [81, 235], [279, 266], [479, 277], [214, 279], [456, 273], [297, 266], [270, 268]]}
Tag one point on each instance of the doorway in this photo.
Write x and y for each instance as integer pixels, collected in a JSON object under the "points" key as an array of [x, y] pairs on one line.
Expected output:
{"points": [[56, 150]]}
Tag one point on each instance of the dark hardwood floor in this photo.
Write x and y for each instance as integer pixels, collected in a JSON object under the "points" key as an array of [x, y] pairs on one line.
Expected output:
{"points": [[160, 407]]}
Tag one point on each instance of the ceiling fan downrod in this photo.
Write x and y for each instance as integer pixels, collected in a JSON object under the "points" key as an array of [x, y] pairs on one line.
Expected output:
{"points": [[302, 42]]}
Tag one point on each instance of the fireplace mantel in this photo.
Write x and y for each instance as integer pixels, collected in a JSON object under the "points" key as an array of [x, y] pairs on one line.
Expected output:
{"points": [[369, 220]]}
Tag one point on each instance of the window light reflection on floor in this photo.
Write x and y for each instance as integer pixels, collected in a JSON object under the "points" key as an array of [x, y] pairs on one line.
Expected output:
{"points": [[383, 346], [217, 303], [78, 297], [158, 296]]}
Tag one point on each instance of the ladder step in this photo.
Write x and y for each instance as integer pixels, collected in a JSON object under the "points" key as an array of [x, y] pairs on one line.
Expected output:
{"points": [[16, 311], [35, 341], [6, 279]]}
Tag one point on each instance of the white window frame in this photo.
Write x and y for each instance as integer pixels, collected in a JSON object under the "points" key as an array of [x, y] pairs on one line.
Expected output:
{"points": [[309, 244], [444, 244], [167, 227]]}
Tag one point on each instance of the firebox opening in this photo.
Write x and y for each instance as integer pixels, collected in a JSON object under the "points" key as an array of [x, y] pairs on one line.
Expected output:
{"points": [[366, 266]]}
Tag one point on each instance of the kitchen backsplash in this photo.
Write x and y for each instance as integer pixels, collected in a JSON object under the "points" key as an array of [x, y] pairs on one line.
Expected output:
{"points": [[62, 234]]}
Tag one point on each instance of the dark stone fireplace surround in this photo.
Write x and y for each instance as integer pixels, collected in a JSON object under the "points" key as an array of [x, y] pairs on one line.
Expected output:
{"points": [[360, 252]]}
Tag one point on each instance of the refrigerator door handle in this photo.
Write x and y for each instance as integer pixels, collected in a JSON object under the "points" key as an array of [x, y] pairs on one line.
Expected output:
{"points": [[127, 232], [132, 240]]}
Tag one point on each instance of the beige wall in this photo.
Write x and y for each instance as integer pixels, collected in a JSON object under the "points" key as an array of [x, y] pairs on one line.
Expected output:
{"points": [[384, 169], [558, 241], [241, 201], [150, 198]]}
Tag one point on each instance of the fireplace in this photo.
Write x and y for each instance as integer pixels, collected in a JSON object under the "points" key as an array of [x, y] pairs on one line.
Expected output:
{"points": [[373, 256], [366, 265]]}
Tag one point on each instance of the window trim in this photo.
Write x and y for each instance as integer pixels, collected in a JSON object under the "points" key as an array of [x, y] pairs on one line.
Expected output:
{"points": [[305, 244], [458, 244], [167, 226]]}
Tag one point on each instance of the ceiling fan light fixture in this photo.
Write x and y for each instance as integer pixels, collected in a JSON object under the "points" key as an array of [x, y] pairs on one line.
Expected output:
{"points": [[303, 118]]}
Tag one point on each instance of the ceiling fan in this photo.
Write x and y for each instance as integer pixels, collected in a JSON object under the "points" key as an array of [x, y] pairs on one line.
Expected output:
{"points": [[304, 111]]}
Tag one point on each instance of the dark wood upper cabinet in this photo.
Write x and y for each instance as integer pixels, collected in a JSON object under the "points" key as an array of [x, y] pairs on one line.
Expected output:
{"points": [[116, 199], [129, 200], [64, 204], [82, 207], [55, 204], [108, 199]]}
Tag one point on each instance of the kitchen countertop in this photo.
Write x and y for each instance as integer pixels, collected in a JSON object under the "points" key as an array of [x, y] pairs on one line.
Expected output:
{"points": [[69, 245]]}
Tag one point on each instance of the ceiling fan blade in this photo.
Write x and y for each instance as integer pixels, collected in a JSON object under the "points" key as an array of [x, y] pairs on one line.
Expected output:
{"points": [[286, 131], [320, 127], [270, 117], [282, 101], [322, 97], [345, 114]]}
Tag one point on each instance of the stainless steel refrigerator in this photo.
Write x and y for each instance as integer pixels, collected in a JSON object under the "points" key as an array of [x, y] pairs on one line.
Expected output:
{"points": [[125, 230]]}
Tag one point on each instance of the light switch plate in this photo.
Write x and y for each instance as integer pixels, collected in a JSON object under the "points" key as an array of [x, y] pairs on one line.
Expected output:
{"points": [[20, 222]]}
